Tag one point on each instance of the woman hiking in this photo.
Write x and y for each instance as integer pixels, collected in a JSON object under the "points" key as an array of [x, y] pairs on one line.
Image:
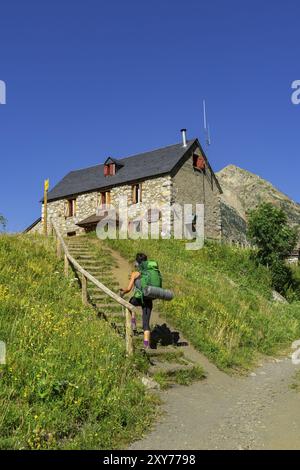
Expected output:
{"points": [[138, 300]]}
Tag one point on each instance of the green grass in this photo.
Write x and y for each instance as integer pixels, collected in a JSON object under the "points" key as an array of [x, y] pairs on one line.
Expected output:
{"points": [[223, 300], [67, 383], [182, 377]]}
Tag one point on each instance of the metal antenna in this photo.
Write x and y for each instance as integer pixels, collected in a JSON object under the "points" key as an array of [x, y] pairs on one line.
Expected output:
{"points": [[208, 136], [206, 126]]}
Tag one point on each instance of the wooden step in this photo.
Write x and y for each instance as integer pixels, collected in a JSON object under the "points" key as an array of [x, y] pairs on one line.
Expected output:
{"points": [[101, 296], [101, 299], [169, 368], [164, 350], [97, 263], [99, 293], [108, 282], [83, 259], [102, 275], [79, 249], [78, 246], [97, 270], [100, 269], [94, 261], [111, 281]]}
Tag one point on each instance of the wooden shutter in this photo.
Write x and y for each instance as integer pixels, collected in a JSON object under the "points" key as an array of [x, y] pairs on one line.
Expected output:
{"points": [[195, 158], [136, 193], [66, 208], [108, 199], [74, 207], [133, 194], [98, 200]]}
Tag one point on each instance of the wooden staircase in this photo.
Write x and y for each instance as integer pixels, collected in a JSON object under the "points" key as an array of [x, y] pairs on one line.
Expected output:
{"points": [[167, 360]]}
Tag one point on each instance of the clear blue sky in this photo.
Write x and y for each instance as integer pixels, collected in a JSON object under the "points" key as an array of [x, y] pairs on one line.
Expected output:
{"points": [[88, 79]]}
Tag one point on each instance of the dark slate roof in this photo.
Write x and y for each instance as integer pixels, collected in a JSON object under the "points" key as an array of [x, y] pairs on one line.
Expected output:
{"points": [[137, 167], [32, 225]]}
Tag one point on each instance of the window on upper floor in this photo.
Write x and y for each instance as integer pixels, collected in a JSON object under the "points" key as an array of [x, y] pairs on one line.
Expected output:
{"points": [[109, 169], [136, 193], [199, 162]]}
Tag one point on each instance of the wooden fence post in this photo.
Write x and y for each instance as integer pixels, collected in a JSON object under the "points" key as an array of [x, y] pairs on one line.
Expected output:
{"points": [[45, 202], [129, 333], [66, 266], [84, 290]]}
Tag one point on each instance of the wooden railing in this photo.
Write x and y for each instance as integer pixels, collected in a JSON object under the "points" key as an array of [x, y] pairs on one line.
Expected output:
{"points": [[62, 250]]}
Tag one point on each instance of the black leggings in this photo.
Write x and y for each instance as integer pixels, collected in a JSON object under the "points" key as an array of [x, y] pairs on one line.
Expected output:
{"points": [[146, 308]]}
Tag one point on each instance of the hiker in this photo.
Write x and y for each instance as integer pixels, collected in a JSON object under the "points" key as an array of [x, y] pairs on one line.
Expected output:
{"points": [[147, 284], [138, 300]]}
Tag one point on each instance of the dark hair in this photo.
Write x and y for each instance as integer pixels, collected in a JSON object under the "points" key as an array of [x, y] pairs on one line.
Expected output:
{"points": [[140, 257]]}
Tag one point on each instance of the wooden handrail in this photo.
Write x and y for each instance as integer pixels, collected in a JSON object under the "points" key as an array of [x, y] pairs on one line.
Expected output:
{"points": [[61, 245]]}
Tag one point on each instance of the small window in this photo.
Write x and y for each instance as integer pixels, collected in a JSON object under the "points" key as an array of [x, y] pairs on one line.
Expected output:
{"points": [[103, 198], [136, 193], [109, 169], [199, 162], [70, 208]]}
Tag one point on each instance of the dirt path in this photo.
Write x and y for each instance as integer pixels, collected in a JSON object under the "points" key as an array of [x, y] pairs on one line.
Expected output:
{"points": [[259, 411]]}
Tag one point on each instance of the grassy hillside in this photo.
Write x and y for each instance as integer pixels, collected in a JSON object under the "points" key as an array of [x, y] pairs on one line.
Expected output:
{"points": [[222, 300], [66, 383]]}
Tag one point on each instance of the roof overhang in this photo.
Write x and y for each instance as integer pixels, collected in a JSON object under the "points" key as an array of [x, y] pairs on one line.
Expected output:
{"points": [[92, 220]]}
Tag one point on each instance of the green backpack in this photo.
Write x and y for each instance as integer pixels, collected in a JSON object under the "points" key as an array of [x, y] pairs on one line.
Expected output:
{"points": [[150, 276]]}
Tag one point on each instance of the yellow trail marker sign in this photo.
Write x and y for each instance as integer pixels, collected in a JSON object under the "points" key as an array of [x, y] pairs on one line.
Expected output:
{"points": [[46, 187]]}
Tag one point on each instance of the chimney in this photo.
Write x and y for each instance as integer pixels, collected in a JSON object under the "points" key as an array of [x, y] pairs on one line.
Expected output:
{"points": [[183, 133]]}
